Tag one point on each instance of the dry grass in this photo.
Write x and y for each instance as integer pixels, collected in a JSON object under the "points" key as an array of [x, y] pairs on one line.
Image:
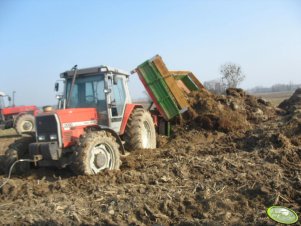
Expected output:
{"points": [[7, 132]]}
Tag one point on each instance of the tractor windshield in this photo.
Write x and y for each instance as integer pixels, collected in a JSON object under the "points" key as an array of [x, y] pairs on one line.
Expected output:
{"points": [[87, 92]]}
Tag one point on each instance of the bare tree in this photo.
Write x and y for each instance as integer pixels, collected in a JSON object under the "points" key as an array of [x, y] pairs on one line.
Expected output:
{"points": [[232, 75]]}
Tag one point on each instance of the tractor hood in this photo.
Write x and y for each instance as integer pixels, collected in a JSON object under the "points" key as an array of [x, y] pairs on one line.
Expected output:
{"points": [[77, 117], [68, 124], [18, 109], [74, 117]]}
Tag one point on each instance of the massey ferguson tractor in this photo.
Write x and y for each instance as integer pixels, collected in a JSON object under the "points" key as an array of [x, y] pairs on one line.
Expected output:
{"points": [[19, 117], [95, 121]]}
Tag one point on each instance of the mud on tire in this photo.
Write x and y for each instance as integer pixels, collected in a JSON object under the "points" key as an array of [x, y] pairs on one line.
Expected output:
{"points": [[96, 152], [140, 131], [25, 123]]}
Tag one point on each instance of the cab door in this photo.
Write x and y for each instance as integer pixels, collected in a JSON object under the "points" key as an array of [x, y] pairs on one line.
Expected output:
{"points": [[116, 101]]}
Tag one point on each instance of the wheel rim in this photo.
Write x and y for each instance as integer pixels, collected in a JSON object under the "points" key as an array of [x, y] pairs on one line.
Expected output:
{"points": [[146, 135], [27, 126], [101, 158]]}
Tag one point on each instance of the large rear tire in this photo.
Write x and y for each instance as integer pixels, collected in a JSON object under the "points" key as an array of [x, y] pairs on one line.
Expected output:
{"points": [[97, 151], [25, 123], [140, 131], [16, 151]]}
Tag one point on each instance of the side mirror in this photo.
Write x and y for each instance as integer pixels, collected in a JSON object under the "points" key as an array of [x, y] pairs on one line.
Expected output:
{"points": [[56, 86], [9, 98]]}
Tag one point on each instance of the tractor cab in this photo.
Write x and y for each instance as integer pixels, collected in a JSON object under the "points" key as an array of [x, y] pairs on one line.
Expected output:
{"points": [[102, 87], [4, 100], [2, 105]]}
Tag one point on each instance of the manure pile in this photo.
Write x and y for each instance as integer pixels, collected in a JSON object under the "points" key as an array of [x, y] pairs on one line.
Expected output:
{"points": [[230, 159]]}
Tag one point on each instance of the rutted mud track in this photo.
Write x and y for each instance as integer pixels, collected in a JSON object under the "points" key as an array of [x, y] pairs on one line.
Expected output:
{"points": [[237, 156]]}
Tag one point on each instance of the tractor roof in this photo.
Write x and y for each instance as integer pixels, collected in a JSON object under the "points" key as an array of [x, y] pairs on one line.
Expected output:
{"points": [[2, 94], [94, 70]]}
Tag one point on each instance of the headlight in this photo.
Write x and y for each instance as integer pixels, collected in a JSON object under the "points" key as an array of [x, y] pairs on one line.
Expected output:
{"points": [[53, 137], [41, 138]]}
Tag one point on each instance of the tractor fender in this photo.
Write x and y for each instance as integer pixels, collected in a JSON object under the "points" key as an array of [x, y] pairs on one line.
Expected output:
{"points": [[98, 128], [127, 113]]}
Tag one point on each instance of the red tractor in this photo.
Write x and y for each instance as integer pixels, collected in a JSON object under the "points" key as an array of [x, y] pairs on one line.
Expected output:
{"points": [[19, 117], [93, 125]]}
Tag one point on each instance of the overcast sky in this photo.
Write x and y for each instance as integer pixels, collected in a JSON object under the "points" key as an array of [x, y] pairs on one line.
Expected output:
{"points": [[41, 39]]}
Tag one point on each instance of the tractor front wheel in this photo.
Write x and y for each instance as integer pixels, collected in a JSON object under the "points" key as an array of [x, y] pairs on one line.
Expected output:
{"points": [[25, 123], [16, 151], [97, 151]]}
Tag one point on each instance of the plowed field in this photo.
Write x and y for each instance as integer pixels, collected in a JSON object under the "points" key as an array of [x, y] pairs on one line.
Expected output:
{"points": [[228, 161]]}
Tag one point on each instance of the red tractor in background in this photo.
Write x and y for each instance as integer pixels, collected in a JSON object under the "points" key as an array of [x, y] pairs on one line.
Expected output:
{"points": [[94, 123], [19, 117]]}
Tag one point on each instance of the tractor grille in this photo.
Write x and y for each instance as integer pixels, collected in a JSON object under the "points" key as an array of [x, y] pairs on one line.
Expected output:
{"points": [[46, 126]]}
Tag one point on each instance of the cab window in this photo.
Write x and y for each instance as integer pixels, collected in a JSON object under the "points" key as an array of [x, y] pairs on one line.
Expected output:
{"points": [[118, 98]]}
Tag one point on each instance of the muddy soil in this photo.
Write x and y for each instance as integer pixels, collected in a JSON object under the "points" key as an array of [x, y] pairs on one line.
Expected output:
{"points": [[232, 157]]}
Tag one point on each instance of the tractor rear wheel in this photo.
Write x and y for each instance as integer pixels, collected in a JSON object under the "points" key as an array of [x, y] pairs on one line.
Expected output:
{"points": [[140, 131], [16, 151], [25, 123], [97, 151]]}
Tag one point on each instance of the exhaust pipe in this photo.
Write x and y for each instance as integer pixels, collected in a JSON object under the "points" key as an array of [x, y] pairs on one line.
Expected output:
{"points": [[72, 84]]}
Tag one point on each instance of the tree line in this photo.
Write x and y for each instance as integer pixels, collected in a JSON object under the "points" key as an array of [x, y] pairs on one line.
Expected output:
{"points": [[232, 75], [275, 88]]}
